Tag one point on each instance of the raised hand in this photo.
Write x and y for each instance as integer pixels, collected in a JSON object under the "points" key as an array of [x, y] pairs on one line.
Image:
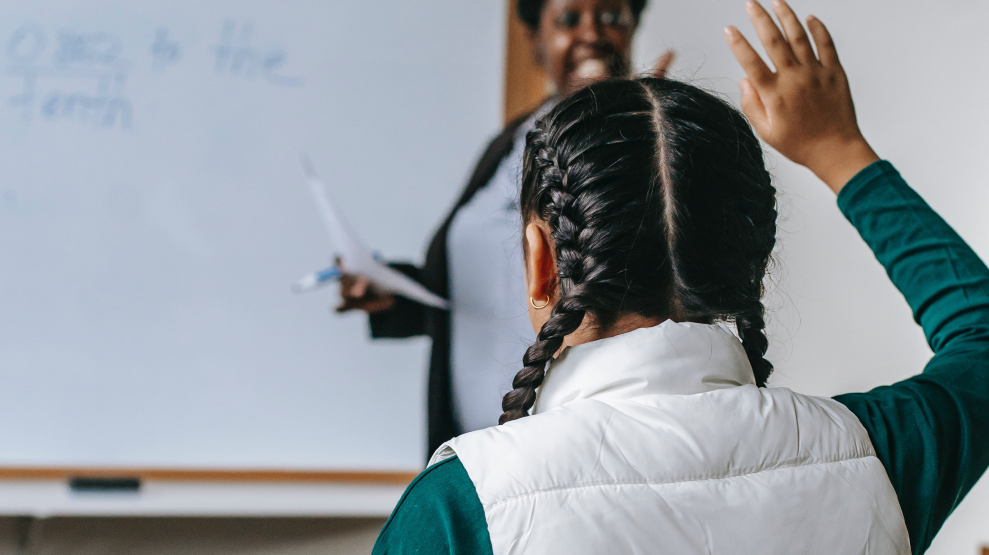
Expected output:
{"points": [[804, 109], [663, 64]]}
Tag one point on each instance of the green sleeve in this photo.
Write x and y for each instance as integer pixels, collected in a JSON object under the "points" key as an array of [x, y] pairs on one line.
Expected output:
{"points": [[929, 431], [439, 513]]}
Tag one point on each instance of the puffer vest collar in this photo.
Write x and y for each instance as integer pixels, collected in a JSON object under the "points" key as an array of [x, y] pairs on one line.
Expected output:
{"points": [[668, 359]]}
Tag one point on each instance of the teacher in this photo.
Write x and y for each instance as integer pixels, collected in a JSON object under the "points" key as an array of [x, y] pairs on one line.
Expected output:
{"points": [[474, 258]]}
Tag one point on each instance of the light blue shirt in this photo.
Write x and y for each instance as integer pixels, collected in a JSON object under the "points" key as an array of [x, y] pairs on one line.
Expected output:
{"points": [[490, 328]]}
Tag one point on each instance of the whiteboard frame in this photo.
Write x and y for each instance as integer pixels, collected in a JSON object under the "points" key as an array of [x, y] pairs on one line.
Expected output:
{"points": [[43, 492]]}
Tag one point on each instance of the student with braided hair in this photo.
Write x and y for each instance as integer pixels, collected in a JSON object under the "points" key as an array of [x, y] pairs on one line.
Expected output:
{"points": [[641, 423]]}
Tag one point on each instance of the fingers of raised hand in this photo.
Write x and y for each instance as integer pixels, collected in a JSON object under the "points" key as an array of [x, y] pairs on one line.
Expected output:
{"points": [[754, 108], [753, 64], [771, 37], [795, 33], [825, 44], [663, 64]]}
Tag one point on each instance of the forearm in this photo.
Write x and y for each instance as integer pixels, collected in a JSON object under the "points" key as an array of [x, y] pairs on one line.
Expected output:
{"points": [[405, 318], [943, 280], [838, 162], [928, 430]]}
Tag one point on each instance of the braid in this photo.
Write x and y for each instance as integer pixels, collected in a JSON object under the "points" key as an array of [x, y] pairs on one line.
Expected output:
{"points": [[519, 400], [751, 322], [584, 282], [568, 314], [751, 330]]}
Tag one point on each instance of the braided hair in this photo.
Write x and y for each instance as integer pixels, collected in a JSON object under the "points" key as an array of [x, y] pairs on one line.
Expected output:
{"points": [[658, 202]]}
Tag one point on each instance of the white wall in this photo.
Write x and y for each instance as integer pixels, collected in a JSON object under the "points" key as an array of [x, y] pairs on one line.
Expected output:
{"points": [[918, 75], [146, 317]]}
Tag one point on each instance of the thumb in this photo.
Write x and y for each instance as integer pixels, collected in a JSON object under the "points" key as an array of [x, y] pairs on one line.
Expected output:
{"points": [[754, 108], [663, 64], [361, 287]]}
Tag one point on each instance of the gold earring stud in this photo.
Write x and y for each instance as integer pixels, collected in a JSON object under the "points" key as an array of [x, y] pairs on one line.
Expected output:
{"points": [[533, 303]]}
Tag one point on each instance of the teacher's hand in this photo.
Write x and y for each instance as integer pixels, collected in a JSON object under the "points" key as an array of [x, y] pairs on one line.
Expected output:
{"points": [[358, 293], [804, 109], [663, 64]]}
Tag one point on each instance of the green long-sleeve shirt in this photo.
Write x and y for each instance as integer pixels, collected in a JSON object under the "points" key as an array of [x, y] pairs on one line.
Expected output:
{"points": [[927, 430]]}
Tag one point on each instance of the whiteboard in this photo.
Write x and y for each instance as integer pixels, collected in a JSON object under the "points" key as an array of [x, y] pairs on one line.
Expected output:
{"points": [[153, 216]]}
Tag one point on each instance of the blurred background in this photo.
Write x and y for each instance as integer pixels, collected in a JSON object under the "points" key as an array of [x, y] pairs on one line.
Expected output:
{"points": [[153, 215]]}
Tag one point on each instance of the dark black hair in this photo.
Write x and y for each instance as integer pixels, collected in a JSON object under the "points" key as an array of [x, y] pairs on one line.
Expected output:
{"points": [[530, 10], [659, 204]]}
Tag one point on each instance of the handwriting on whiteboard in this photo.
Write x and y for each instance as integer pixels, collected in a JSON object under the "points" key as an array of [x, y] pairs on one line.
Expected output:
{"points": [[236, 56], [82, 76]]}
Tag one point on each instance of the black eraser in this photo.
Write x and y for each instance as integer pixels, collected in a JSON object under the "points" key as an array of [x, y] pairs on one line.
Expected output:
{"points": [[105, 485]]}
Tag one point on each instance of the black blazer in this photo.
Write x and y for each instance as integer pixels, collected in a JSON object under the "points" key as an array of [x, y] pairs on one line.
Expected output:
{"points": [[408, 318]]}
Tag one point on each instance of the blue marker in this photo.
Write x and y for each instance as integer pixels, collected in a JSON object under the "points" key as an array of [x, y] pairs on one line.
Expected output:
{"points": [[317, 279]]}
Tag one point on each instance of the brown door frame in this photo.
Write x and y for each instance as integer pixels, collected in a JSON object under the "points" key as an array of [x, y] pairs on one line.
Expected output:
{"points": [[525, 83]]}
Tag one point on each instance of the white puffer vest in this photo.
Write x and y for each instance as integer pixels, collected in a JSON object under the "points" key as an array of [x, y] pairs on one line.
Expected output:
{"points": [[658, 441]]}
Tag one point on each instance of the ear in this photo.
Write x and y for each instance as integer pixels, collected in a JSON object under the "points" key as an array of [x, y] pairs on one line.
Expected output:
{"points": [[540, 264]]}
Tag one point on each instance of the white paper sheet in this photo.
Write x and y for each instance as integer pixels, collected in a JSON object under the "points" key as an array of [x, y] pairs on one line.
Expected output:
{"points": [[356, 257]]}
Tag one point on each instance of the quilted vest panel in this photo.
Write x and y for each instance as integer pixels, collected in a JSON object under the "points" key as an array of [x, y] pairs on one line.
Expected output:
{"points": [[737, 470]]}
